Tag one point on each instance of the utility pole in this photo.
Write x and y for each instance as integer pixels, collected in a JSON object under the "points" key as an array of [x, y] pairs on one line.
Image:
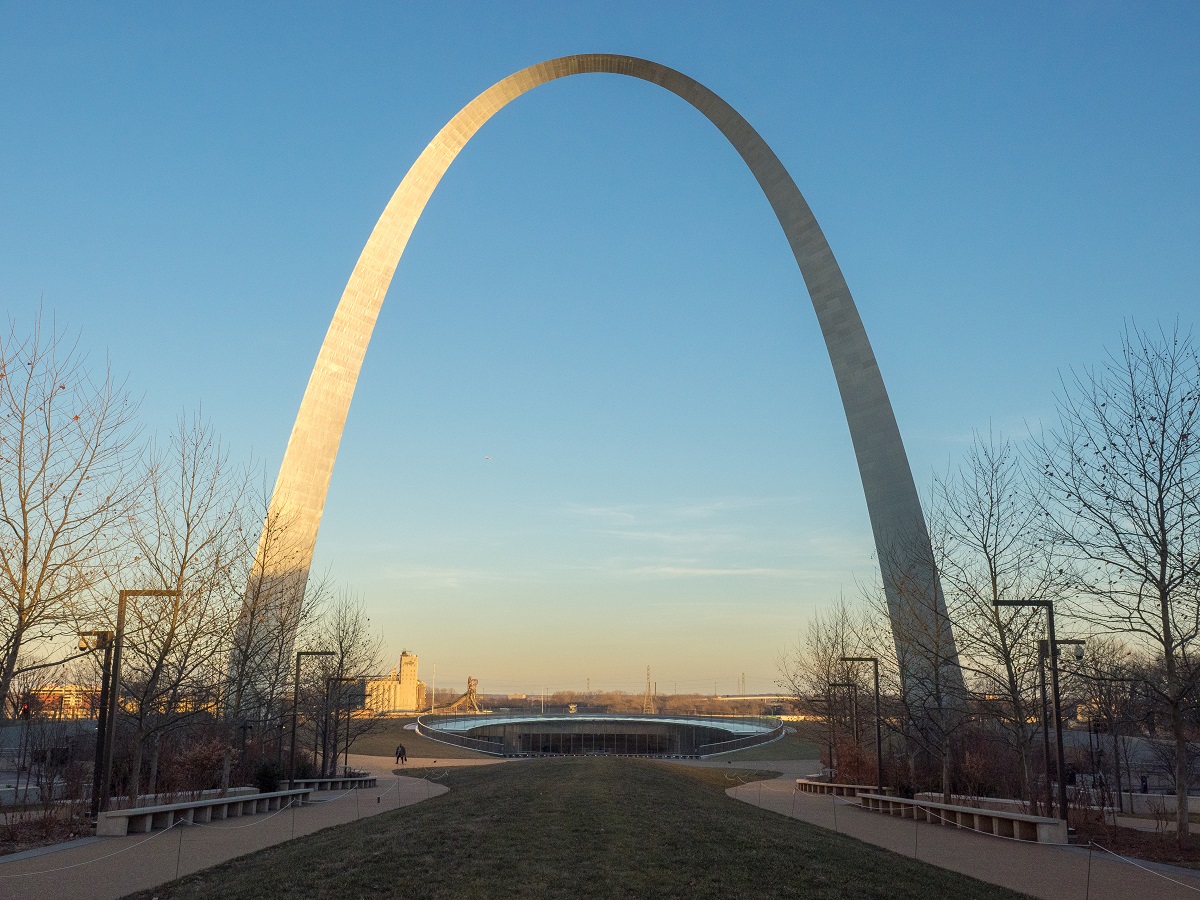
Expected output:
{"points": [[647, 701]]}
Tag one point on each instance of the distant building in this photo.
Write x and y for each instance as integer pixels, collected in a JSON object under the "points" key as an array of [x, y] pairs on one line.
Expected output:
{"points": [[399, 692], [66, 701]]}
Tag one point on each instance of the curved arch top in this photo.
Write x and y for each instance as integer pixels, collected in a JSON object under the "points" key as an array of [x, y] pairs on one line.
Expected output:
{"points": [[901, 537]]}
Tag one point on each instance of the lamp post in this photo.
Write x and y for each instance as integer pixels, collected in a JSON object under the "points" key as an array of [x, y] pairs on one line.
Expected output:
{"points": [[874, 661], [295, 704], [1052, 652], [104, 641], [113, 663]]}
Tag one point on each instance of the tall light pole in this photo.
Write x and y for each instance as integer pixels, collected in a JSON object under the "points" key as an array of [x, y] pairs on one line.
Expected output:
{"points": [[1057, 701], [104, 641], [295, 704], [874, 661], [114, 692]]}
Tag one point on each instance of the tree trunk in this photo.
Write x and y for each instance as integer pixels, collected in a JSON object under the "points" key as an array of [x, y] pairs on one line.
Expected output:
{"points": [[1028, 789], [1117, 765], [6, 674], [946, 773], [1182, 776], [135, 773], [152, 781]]}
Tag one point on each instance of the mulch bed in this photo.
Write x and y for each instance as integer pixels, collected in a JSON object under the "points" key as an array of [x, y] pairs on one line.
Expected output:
{"points": [[1146, 845], [35, 830]]}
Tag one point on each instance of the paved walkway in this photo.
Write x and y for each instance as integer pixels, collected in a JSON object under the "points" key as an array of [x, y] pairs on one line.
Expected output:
{"points": [[108, 868], [111, 867], [1052, 873]]}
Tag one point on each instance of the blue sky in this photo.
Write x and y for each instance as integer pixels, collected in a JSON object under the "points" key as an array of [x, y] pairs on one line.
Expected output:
{"points": [[598, 296]]}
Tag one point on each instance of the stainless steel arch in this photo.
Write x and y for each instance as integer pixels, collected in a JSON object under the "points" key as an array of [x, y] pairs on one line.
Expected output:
{"points": [[902, 541]]}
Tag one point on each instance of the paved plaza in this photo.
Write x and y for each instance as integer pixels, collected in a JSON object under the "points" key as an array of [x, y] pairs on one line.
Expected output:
{"points": [[1052, 873], [108, 868]]}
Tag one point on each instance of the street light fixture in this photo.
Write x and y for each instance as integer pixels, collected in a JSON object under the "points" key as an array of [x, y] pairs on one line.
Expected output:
{"points": [[103, 641], [1050, 648], [874, 661], [295, 704]]}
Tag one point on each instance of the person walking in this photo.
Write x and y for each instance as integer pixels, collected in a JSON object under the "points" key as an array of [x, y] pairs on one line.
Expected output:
{"points": [[401, 754]]}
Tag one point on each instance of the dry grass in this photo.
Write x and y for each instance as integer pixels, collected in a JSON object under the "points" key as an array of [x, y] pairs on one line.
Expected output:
{"points": [[578, 828]]}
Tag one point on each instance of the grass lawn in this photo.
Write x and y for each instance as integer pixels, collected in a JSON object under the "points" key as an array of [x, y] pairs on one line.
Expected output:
{"points": [[383, 743], [790, 746], [578, 828]]}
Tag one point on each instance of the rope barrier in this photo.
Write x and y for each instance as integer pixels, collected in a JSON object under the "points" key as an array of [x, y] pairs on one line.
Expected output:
{"points": [[265, 818], [1124, 859], [88, 862], [928, 812], [1138, 865], [259, 820]]}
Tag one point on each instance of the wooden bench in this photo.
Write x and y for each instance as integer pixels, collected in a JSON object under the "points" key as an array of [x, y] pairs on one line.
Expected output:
{"points": [[1018, 826], [336, 783], [809, 786], [142, 819]]}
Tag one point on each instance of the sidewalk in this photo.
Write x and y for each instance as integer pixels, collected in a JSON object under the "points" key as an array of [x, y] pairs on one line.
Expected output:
{"points": [[111, 867], [1049, 872]]}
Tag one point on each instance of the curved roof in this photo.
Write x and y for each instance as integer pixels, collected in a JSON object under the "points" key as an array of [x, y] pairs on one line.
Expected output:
{"points": [[463, 724]]}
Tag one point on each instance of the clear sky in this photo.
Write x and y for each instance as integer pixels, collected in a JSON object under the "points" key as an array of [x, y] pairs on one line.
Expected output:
{"points": [[598, 296]]}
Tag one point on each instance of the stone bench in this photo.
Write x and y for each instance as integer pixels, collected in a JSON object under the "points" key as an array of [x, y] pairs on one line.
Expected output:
{"points": [[1019, 826], [142, 819], [808, 786], [336, 783]]}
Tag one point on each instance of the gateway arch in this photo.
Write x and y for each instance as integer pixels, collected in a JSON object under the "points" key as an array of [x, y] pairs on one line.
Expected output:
{"points": [[918, 612]]}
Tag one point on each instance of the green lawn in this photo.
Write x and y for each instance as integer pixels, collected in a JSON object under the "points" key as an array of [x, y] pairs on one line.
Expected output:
{"points": [[790, 746], [578, 828], [383, 743]]}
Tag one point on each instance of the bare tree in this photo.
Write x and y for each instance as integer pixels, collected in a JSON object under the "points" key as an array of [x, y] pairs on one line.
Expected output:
{"points": [[190, 537], [275, 609], [1123, 473], [66, 453], [986, 520], [345, 633], [814, 674], [930, 689]]}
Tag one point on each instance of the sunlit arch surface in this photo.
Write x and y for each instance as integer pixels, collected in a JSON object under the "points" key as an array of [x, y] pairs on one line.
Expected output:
{"points": [[901, 537]]}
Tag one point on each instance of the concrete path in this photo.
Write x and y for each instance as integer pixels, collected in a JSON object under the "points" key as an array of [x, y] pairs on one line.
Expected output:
{"points": [[111, 867], [1052, 873]]}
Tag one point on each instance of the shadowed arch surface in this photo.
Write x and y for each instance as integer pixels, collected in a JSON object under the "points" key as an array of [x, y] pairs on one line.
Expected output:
{"points": [[901, 538]]}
